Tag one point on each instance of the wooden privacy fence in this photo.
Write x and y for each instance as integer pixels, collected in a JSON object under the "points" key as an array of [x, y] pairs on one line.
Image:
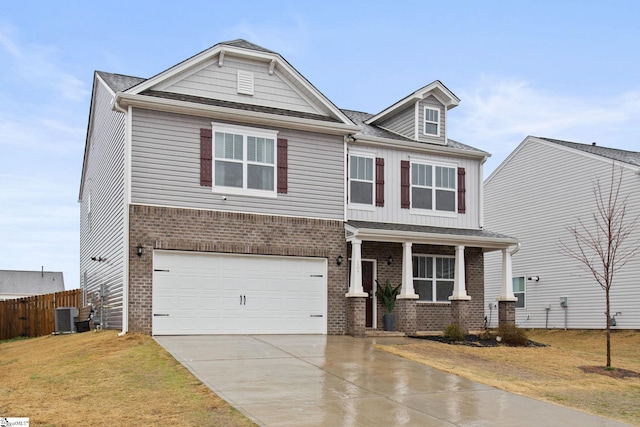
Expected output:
{"points": [[34, 316]]}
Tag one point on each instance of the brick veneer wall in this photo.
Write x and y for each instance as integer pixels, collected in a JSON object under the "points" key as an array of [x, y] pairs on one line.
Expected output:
{"points": [[431, 316], [230, 232]]}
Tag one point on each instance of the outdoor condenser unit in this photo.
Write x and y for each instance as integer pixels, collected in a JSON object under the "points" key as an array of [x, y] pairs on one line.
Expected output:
{"points": [[65, 319]]}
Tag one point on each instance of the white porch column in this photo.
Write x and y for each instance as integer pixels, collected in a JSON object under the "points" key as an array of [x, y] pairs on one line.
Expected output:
{"points": [[407, 291], [355, 284], [459, 283], [507, 284]]}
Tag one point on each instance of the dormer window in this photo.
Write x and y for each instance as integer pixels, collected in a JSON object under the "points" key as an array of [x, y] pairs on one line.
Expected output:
{"points": [[431, 121]]}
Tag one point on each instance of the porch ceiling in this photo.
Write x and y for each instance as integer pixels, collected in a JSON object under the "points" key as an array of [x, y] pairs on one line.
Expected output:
{"points": [[424, 234]]}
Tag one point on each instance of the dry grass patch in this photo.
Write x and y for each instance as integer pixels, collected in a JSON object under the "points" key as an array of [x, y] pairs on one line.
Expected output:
{"points": [[100, 379], [550, 373]]}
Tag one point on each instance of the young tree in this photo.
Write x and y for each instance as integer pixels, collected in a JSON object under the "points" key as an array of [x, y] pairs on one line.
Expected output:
{"points": [[601, 243]]}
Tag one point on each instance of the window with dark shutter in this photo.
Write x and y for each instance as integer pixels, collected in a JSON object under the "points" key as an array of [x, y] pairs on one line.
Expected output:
{"points": [[283, 162], [405, 184], [206, 155], [379, 181], [462, 205]]}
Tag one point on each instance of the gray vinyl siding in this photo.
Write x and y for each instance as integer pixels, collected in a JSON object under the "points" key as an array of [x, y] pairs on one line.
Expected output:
{"points": [[271, 90], [537, 193], [403, 123], [393, 213], [104, 235], [432, 102], [166, 170]]}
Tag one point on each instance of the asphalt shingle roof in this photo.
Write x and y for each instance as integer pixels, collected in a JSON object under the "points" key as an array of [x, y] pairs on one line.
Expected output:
{"points": [[428, 229], [631, 157], [30, 282]]}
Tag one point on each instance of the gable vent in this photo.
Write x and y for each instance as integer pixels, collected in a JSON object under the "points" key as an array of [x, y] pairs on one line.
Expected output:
{"points": [[245, 82]]}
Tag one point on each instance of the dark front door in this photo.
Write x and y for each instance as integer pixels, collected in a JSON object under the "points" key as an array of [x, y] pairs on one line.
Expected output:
{"points": [[367, 286]]}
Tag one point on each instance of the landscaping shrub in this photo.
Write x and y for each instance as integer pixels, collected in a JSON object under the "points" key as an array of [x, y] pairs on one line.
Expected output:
{"points": [[453, 333], [512, 335]]}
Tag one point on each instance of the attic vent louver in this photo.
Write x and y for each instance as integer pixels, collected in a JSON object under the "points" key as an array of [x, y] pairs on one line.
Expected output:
{"points": [[245, 82]]}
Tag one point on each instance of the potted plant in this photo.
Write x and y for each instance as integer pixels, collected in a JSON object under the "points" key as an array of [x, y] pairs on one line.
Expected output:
{"points": [[387, 294]]}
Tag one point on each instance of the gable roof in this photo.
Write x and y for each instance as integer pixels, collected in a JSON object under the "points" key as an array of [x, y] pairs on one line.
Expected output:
{"points": [[436, 88], [13, 282], [623, 156]]}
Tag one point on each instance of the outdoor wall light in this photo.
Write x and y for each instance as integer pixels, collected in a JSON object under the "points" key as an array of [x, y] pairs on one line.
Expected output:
{"points": [[390, 260], [534, 278], [139, 250], [339, 260], [99, 259]]}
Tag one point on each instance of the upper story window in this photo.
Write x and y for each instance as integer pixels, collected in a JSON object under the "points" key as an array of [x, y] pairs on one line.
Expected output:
{"points": [[433, 277], [431, 121], [433, 187], [244, 160], [520, 291], [361, 179]]}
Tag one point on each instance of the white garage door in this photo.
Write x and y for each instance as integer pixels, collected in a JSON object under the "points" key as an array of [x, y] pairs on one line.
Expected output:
{"points": [[201, 293]]}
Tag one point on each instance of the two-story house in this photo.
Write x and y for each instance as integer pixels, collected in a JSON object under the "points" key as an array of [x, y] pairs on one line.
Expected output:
{"points": [[228, 195]]}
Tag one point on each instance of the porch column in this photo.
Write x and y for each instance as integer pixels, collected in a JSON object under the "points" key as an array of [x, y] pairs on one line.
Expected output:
{"points": [[459, 283], [355, 284], [507, 283], [407, 291]]}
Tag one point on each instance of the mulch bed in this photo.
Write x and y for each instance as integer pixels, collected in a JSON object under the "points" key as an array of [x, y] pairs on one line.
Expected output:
{"points": [[611, 372], [473, 341]]}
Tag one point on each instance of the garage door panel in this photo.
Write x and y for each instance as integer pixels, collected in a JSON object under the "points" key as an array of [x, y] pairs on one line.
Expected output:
{"points": [[235, 294]]}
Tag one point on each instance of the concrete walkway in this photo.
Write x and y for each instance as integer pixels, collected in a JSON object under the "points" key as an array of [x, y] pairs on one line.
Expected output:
{"points": [[314, 380]]}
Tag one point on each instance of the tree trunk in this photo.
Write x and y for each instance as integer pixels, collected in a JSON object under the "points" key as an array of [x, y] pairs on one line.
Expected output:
{"points": [[608, 330]]}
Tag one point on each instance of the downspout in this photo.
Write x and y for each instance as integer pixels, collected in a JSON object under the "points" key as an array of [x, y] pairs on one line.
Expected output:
{"points": [[127, 200]]}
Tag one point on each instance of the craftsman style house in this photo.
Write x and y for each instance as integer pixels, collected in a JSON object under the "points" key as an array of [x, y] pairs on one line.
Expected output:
{"points": [[542, 188], [227, 195]]}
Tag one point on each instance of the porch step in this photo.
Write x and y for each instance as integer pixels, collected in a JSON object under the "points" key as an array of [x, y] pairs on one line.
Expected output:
{"points": [[382, 333]]}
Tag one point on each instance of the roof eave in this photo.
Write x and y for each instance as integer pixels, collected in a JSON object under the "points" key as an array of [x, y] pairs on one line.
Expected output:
{"points": [[124, 100], [420, 146]]}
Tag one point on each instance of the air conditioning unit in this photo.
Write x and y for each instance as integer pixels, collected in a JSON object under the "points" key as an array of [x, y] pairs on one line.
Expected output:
{"points": [[65, 320]]}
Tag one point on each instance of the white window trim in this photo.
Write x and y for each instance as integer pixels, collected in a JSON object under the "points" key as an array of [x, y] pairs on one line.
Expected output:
{"points": [[245, 132], [433, 211], [425, 121], [362, 206], [524, 277], [415, 255]]}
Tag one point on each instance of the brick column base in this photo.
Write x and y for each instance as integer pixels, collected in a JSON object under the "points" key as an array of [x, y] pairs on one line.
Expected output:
{"points": [[356, 316], [460, 312], [406, 316], [507, 312]]}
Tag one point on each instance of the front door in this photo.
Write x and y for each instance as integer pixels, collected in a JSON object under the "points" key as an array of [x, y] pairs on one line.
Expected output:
{"points": [[367, 286]]}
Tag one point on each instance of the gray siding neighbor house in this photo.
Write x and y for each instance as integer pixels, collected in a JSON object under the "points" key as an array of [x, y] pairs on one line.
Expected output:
{"points": [[227, 195], [543, 187], [19, 284]]}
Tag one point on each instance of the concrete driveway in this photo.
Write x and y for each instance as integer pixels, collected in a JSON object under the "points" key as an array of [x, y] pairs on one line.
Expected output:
{"points": [[315, 380]]}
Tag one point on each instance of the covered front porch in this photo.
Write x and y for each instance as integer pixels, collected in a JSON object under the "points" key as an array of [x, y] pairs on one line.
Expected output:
{"points": [[441, 272]]}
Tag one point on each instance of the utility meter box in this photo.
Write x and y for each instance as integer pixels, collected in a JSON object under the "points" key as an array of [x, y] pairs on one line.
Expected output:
{"points": [[563, 302]]}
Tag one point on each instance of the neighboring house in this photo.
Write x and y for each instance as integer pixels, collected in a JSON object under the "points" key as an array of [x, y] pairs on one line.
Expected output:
{"points": [[543, 187], [18, 284], [228, 195]]}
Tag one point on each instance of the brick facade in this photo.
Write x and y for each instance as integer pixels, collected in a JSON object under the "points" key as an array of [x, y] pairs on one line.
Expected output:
{"points": [[356, 317], [229, 232], [507, 312]]}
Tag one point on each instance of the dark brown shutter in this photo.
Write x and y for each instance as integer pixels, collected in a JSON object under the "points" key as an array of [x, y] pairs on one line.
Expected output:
{"points": [[405, 184], [379, 181], [206, 155], [462, 204], [283, 166]]}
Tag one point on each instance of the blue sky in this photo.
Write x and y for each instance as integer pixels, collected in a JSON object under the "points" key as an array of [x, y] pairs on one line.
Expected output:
{"points": [[560, 69]]}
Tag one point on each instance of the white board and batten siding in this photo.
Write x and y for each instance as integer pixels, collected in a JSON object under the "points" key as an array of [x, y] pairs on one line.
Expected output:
{"points": [[215, 82], [534, 196], [102, 223], [393, 213], [206, 293], [166, 170]]}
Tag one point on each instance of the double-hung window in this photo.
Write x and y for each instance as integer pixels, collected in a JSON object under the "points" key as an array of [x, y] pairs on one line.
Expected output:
{"points": [[520, 291], [431, 121], [361, 180], [244, 160], [433, 187], [433, 277]]}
